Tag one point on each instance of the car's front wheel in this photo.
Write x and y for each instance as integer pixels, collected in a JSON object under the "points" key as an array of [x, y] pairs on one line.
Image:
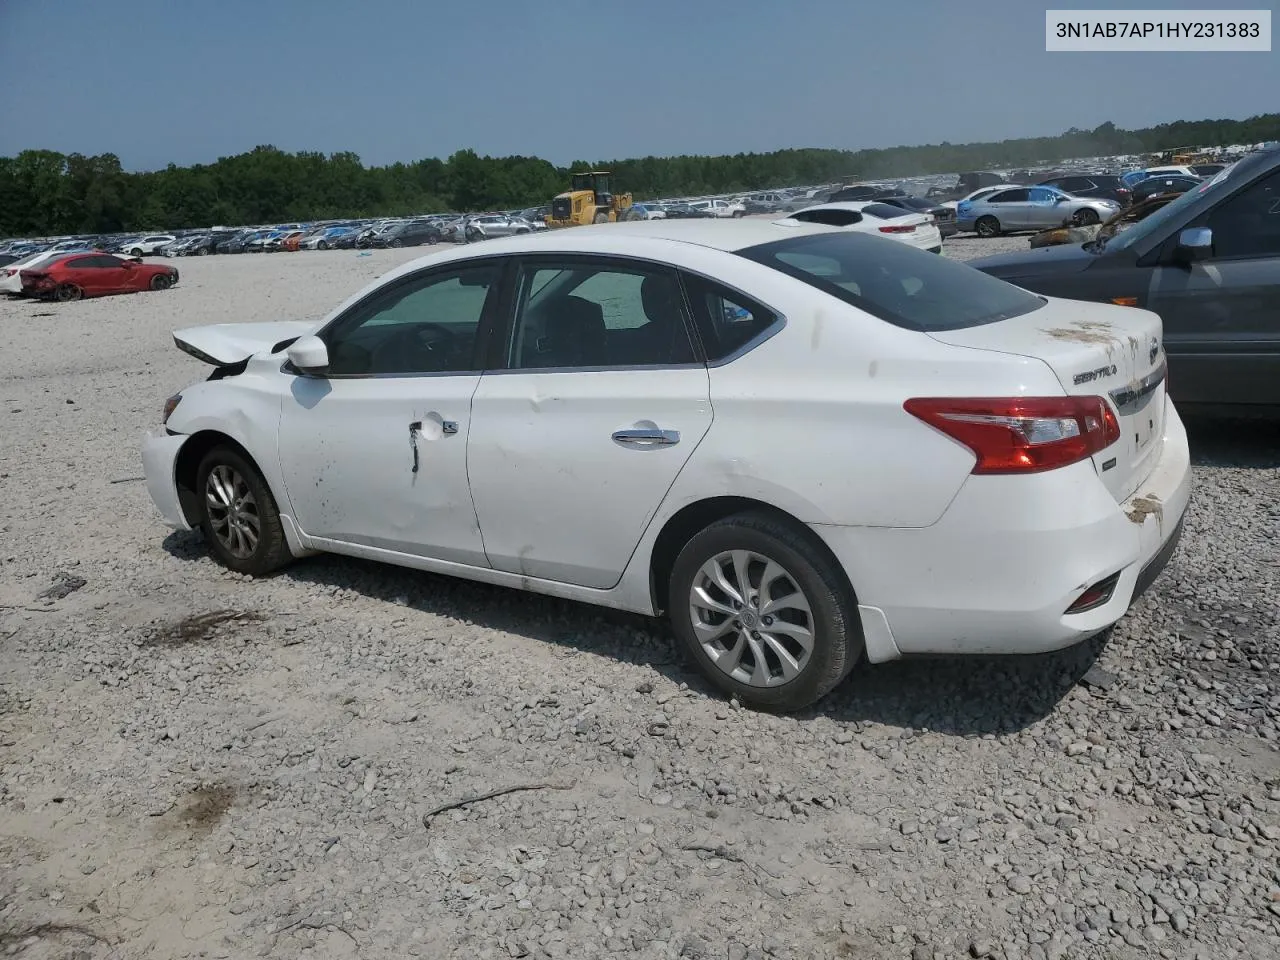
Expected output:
{"points": [[765, 612], [135, 252], [987, 227], [161, 281], [1085, 217], [238, 514]]}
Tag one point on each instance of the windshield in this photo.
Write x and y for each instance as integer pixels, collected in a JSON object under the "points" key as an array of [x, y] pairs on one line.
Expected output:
{"points": [[1142, 229], [895, 282]]}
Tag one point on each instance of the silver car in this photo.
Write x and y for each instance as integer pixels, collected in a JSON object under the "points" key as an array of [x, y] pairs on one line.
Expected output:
{"points": [[500, 225], [1029, 208]]}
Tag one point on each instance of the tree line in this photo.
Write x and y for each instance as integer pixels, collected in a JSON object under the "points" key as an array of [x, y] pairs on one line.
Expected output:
{"points": [[43, 192]]}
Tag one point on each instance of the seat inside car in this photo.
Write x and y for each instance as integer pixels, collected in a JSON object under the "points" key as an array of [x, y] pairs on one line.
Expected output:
{"points": [[573, 335]]}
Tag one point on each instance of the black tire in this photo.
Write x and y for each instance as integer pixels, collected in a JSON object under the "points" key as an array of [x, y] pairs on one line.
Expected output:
{"points": [[203, 252], [987, 227], [600, 217], [1086, 217], [161, 281], [836, 631], [135, 252], [271, 550], [737, 214], [396, 242], [322, 245], [66, 292]]}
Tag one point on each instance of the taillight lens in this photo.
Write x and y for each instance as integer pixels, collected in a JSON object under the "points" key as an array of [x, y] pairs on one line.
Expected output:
{"points": [[1022, 434], [899, 228]]}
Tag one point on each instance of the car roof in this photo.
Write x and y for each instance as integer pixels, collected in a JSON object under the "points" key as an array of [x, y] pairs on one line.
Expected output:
{"points": [[641, 238], [857, 206]]}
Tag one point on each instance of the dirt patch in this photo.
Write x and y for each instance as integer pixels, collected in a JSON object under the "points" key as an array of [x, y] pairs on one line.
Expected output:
{"points": [[64, 584], [202, 809], [1083, 333], [1143, 507], [42, 930], [198, 628]]}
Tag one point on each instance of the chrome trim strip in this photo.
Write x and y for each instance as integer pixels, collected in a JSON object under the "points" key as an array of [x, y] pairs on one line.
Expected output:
{"points": [[1124, 396]]}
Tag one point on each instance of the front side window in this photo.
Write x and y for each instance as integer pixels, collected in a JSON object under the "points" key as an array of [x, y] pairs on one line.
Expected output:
{"points": [[608, 315], [1043, 195], [425, 325], [1248, 225]]}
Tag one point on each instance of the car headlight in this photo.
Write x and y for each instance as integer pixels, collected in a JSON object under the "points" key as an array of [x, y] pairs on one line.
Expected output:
{"points": [[170, 405]]}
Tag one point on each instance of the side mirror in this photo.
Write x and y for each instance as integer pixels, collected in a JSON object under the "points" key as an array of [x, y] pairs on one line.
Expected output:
{"points": [[1195, 243], [308, 355], [1061, 199]]}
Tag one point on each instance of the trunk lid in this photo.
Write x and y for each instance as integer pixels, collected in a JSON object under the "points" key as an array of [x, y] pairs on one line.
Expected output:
{"points": [[223, 344], [1094, 350]]}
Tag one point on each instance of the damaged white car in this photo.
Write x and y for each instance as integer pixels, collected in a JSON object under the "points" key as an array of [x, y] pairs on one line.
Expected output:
{"points": [[802, 444]]}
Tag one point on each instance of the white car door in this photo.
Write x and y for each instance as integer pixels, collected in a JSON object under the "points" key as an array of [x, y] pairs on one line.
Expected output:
{"points": [[374, 452], [602, 400]]}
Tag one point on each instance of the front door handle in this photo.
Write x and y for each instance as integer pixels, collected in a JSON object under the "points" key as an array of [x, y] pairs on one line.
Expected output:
{"points": [[647, 438]]}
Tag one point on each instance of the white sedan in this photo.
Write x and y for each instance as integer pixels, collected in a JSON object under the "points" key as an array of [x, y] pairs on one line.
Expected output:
{"points": [[10, 279], [803, 444], [867, 216]]}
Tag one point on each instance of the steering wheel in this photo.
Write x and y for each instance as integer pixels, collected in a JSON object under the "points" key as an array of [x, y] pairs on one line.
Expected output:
{"points": [[412, 350]]}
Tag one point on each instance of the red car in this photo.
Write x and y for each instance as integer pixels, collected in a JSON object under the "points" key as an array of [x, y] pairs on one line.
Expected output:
{"points": [[94, 275]]}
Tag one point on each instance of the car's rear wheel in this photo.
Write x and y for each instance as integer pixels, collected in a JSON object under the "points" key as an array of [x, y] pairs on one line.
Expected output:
{"points": [[161, 281], [203, 251], [66, 292], [238, 514], [1085, 217], [987, 227], [764, 612]]}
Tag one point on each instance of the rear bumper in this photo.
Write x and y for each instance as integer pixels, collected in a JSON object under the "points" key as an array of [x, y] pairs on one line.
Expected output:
{"points": [[159, 460], [998, 571]]}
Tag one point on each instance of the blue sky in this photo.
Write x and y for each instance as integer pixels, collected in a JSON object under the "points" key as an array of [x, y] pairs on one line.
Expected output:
{"points": [[186, 81]]}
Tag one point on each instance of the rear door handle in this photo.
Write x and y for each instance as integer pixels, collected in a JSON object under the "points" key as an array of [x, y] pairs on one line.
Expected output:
{"points": [[647, 438]]}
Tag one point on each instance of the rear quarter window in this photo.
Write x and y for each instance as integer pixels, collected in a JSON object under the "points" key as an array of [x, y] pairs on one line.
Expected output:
{"points": [[903, 286]]}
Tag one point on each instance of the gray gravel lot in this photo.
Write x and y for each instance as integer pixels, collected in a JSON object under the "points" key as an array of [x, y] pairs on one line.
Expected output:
{"points": [[196, 764]]}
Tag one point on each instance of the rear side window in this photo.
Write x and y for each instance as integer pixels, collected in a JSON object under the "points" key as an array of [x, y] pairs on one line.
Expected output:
{"points": [[727, 321], [897, 283]]}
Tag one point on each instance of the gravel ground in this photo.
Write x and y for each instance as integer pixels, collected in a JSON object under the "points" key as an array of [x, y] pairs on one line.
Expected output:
{"points": [[196, 764]]}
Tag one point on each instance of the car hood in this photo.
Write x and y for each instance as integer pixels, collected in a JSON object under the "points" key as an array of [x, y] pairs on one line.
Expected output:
{"points": [[1055, 261], [222, 344]]}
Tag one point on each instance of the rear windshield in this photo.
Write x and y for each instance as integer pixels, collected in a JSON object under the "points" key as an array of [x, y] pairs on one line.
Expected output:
{"points": [[885, 211], [895, 282]]}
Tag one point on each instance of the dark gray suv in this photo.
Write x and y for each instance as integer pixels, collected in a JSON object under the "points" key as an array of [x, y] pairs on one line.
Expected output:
{"points": [[1209, 265]]}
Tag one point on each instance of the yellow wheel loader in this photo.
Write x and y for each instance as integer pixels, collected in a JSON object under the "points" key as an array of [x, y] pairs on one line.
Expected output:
{"points": [[589, 199]]}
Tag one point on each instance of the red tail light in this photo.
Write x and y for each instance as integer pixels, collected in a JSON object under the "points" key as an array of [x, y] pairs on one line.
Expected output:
{"points": [[1022, 434], [909, 228]]}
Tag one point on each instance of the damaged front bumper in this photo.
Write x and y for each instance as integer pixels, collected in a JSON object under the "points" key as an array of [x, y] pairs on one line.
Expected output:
{"points": [[159, 464]]}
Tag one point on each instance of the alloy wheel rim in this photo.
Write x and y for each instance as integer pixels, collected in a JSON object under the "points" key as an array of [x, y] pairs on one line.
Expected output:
{"points": [[233, 511], [751, 618]]}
